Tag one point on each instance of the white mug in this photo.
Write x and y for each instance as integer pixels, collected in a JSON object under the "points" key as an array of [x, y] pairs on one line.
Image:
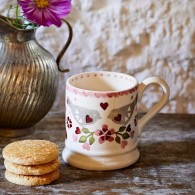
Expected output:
{"points": [[102, 124]]}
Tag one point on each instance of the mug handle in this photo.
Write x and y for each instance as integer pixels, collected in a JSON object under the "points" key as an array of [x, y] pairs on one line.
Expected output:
{"points": [[156, 108]]}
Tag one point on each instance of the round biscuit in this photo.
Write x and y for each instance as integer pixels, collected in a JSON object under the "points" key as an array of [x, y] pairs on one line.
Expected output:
{"points": [[32, 169], [31, 152], [27, 180]]}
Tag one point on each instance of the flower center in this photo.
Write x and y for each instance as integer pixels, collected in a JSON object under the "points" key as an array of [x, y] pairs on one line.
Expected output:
{"points": [[42, 3]]}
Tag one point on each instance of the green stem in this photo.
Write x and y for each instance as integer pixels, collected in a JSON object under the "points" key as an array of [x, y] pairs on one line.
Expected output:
{"points": [[17, 18], [10, 7], [91, 134], [117, 133]]}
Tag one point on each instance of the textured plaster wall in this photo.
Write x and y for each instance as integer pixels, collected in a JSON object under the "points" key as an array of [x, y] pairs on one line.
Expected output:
{"points": [[139, 37]]}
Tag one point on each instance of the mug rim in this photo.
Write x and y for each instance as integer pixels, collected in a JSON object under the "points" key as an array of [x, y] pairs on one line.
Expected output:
{"points": [[78, 90]]}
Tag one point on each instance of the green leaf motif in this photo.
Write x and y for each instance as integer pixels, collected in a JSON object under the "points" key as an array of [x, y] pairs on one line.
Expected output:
{"points": [[121, 129], [118, 139], [83, 139], [126, 136], [91, 140], [85, 130]]}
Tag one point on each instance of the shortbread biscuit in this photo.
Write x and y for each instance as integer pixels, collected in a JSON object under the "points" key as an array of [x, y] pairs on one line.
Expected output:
{"points": [[32, 180], [32, 169], [31, 152]]}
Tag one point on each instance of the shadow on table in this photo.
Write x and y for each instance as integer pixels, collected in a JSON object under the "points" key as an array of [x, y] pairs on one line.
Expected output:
{"points": [[151, 155]]}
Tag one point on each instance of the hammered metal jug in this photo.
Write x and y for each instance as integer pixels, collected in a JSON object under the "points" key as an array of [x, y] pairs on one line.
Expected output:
{"points": [[28, 79]]}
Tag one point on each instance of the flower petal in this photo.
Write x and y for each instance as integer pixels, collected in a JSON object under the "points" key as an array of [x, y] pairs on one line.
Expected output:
{"points": [[52, 14], [56, 7], [49, 18]]}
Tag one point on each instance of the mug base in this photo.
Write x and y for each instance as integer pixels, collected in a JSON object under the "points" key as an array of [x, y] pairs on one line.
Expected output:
{"points": [[100, 163]]}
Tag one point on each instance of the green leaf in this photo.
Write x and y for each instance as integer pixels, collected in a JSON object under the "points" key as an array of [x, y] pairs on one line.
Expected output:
{"points": [[118, 139], [83, 139], [121, 129], [126, 136], [85, 130], [91, 140]]}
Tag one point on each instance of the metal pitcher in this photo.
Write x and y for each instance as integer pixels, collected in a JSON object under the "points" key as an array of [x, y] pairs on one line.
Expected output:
{"points": [[28, 79]]}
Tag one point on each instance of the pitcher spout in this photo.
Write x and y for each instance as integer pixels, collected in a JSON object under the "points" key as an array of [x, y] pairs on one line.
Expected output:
{"points": [[5, 26], [9, 33]]}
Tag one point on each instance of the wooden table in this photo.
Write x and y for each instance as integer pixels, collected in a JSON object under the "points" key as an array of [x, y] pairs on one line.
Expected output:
{"points": [[166, 165]]}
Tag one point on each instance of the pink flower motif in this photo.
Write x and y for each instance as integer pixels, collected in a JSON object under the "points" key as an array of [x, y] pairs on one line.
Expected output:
{"points": [[104, 128], [111, 132], [69, 122], [102, 139], [110, 139], [97, 132], [86, 146], [75, 137], [105, 134], [123, 144]]}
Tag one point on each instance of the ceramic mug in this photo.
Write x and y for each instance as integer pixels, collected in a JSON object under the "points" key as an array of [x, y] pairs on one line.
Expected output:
{"points": [[102, 125]]}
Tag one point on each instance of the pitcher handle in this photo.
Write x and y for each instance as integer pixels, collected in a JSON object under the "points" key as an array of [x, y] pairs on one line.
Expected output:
{"points": [[65, 48], [154, 110]]}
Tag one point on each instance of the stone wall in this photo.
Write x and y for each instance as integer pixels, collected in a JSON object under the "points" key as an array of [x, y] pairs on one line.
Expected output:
{"points": [[138, 37]]}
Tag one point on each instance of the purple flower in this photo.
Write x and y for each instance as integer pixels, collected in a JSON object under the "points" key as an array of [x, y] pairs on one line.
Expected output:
{"points": [[45, 12]]}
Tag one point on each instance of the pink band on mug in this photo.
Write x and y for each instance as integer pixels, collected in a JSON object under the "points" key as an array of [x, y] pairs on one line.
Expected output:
{"points": [[96, 94]]}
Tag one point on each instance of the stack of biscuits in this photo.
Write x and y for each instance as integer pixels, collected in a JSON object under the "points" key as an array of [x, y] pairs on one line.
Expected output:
{"points": [[31, 162]]}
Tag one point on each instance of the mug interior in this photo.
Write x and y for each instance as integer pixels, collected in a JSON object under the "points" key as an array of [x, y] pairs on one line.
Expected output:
{"points": [[102, 81]]}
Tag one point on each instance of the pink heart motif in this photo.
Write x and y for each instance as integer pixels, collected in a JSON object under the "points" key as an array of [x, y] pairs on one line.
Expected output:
{"points": [[117, 118], [104, 106], [88, 119]]}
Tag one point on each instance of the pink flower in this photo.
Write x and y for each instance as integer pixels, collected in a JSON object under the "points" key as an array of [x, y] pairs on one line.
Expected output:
{"points": [[86, 146], [98, 132], [104, 128], [109, 138], [45, 12], [102, 139], [105, 134]]}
